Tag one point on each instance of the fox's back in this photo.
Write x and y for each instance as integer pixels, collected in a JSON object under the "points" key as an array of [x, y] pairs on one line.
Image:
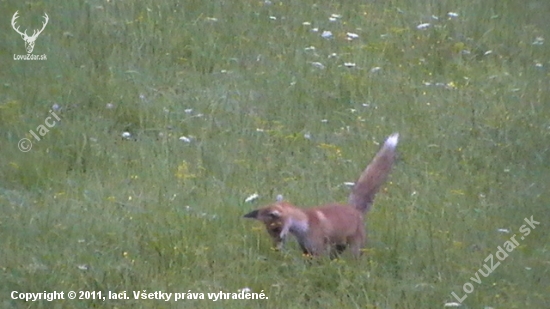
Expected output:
{"points": [[335, 221]]}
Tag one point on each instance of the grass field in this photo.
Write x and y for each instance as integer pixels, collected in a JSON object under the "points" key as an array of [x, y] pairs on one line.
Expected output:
{"points": [[223, 99]]}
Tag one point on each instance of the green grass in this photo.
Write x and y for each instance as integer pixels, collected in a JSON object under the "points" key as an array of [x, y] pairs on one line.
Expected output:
{"points": [[86, 209]]}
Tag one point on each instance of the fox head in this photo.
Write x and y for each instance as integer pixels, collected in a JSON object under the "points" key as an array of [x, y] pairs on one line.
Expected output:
{"points": [[272, 216]]}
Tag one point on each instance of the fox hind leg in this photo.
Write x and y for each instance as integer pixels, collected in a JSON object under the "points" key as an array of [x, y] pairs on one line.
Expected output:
{"points": [[357, 242], [337, 250]]}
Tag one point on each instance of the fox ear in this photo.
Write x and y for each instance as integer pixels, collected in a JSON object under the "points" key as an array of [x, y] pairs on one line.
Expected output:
{"points": [[252, 215], [275, 214]]}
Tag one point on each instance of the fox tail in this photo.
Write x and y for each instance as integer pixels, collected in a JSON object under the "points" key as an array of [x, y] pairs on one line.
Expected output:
{"points": [[374, 176]]}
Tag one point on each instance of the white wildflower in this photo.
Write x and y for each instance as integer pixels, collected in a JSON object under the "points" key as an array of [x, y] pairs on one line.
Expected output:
{"points": [[352, 36], [184, 138], [83, 267], [326, 34], [538, 41], [251, 198], [423, 26], [318, 65]]}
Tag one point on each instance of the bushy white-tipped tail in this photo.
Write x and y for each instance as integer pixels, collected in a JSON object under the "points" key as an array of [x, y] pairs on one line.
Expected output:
{"points": [[392, 140], [374, 176]]}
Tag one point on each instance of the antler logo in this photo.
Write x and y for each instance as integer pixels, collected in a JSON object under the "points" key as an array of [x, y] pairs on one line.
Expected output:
{"points": [[29, 40]]}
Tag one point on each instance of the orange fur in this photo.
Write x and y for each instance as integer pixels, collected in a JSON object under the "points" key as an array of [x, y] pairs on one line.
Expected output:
{"points": [[330, 228]]}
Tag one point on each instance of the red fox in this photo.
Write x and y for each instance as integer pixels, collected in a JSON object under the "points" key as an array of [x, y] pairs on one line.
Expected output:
{"points": [[330, 228]]}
